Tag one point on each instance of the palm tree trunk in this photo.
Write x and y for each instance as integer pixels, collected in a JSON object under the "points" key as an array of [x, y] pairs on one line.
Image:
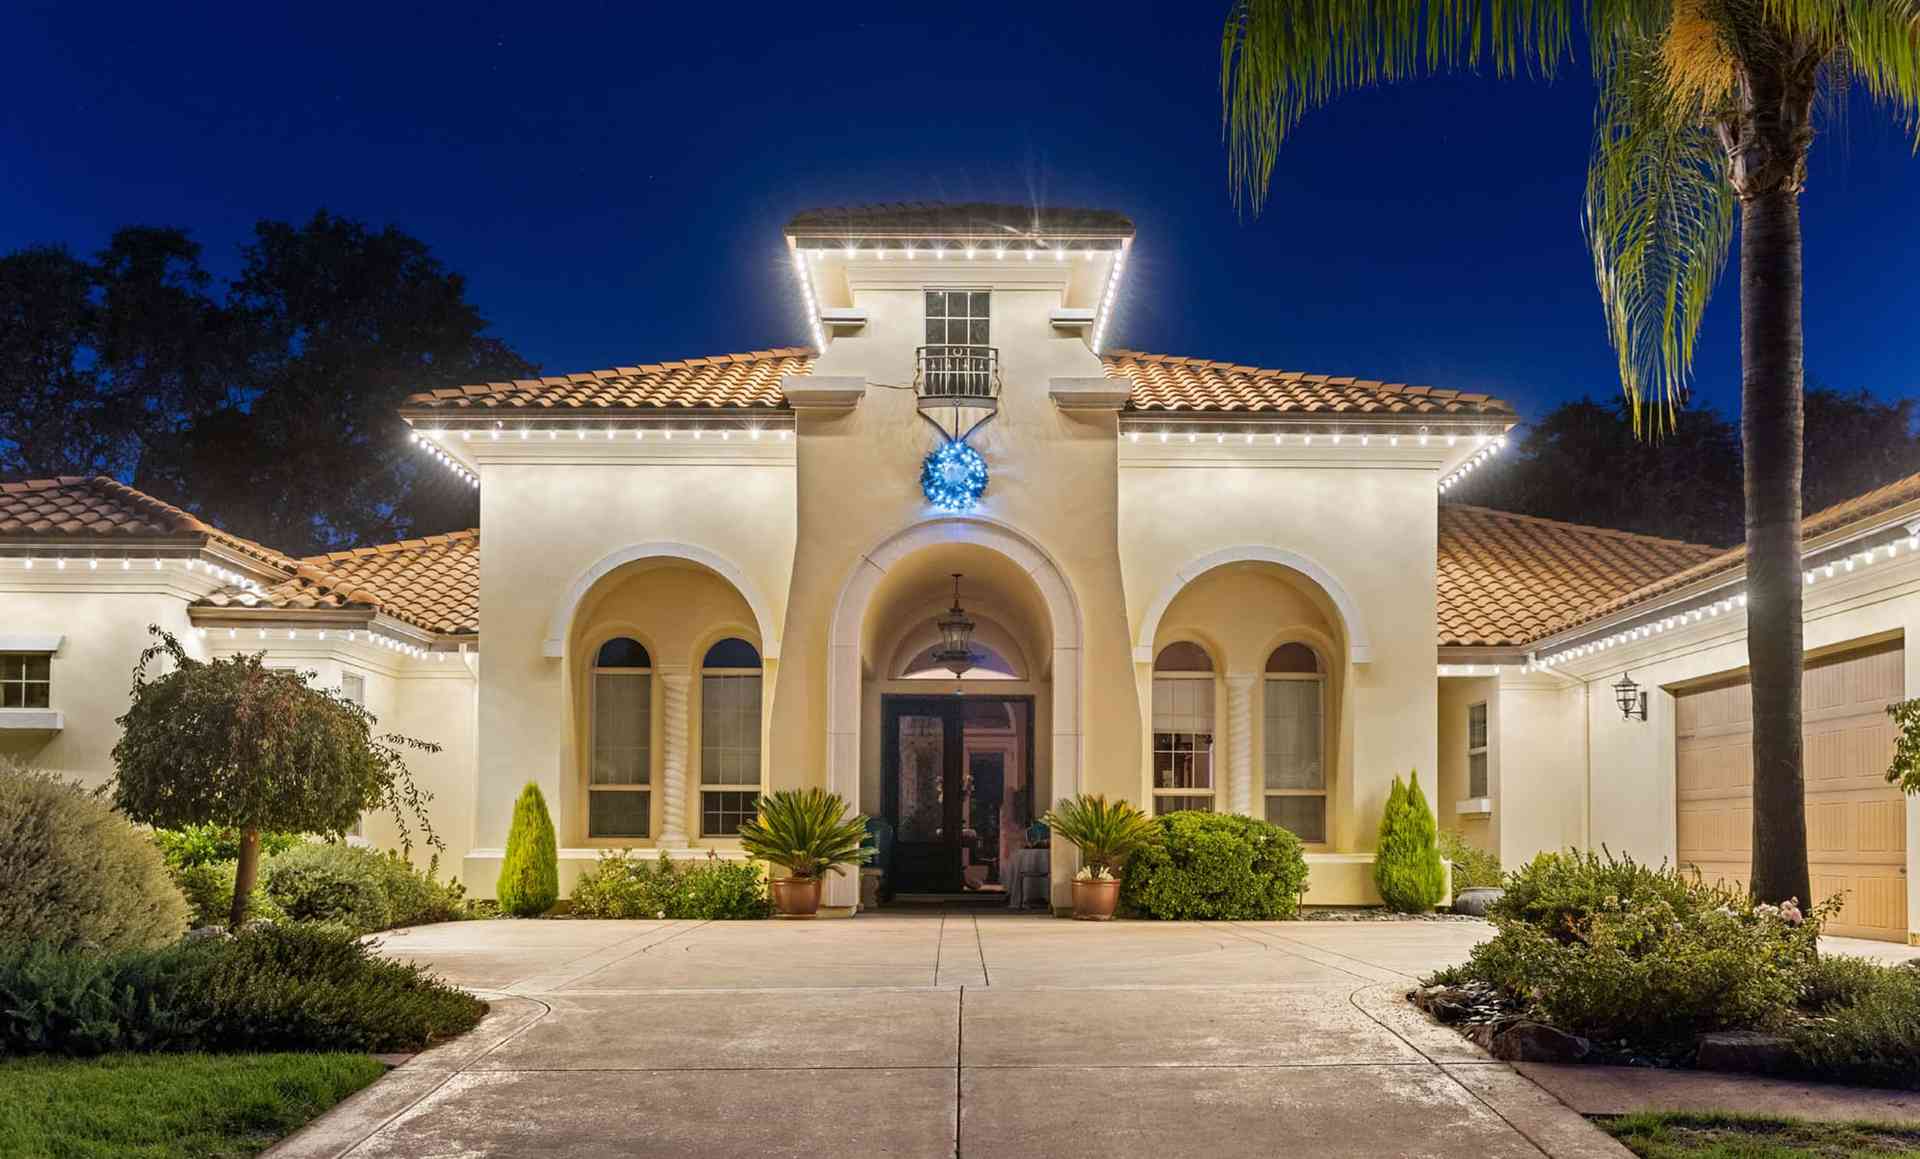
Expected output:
{"points": [[1770, 421]]}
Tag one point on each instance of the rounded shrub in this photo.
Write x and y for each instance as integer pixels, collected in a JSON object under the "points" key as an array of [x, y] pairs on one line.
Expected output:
{"points": [[76, 873], [1217, 866], [530, 872], [321, 882], [1406, 865]]}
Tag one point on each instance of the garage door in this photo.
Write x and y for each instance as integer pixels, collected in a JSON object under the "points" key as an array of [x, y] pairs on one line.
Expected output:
{"points": [[1856, 821]]}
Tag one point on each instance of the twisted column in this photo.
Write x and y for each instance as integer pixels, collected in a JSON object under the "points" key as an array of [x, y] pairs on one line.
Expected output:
{"points": [[1240, 742], [673, 790]]}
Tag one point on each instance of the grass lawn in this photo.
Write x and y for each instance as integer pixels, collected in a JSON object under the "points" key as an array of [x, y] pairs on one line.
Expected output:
{"points": [[168, 1106], [1685, 1135]]}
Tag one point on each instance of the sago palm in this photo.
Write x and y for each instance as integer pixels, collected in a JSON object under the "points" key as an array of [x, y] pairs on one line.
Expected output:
{"points": [[809, 832], [1106, 832], [1705, 114]]}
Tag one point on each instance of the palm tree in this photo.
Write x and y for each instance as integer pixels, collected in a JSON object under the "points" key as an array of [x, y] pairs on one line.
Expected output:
{"points": [[1704, 106]]}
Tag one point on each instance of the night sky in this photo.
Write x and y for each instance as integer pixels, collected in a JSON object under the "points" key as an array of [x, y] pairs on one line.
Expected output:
{"points": [[612, 178]]}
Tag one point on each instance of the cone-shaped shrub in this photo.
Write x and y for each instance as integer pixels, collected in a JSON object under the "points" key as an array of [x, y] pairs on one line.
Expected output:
{"points": [[530, 873], [1406, 866]]}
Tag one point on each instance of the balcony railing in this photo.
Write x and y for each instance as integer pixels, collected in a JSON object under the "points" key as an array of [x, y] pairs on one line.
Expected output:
{"points": [[957, 375]]}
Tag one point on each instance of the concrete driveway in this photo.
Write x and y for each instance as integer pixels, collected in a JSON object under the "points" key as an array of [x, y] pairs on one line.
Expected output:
{"points": [[947, 1034]]}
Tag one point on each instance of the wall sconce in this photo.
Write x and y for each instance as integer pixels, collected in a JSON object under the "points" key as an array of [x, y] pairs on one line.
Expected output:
{"points": [[1631, 698]]}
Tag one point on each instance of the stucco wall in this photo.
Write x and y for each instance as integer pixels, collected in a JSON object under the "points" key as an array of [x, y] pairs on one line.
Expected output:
{"points": [[1456, 695]]}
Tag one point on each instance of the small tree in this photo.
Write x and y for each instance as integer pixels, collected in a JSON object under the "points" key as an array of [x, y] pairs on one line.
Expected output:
{"points": [[233, 742], [530, 872], [1406, 866], [1905, 769]]}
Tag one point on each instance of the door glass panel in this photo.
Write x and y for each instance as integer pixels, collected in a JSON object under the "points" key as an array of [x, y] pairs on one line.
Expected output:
{"points": [[922, 741]]}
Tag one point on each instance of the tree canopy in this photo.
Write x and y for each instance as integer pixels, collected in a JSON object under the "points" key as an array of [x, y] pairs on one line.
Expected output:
{"points": [[267, 409], [1579, 463]]}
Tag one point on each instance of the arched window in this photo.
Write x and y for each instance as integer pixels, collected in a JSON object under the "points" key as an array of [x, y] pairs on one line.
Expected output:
{"points": [[1295, 781], [1183, 729], [619, 799], [729, 737]]}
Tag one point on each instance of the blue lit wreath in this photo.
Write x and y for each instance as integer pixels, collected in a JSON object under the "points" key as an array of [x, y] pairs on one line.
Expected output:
{"points": [[953, 476]]}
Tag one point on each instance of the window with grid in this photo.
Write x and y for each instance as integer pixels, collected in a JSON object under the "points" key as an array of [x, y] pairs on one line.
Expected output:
{"points": [[353, 689], [1477, 750], [1294, 739], [958, 321], [26, 680], [619, 796], [1183, 729], [729, 737]]}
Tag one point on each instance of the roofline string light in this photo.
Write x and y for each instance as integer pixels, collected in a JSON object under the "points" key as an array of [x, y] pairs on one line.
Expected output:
{"points": [[352, 636], [1489, 444], [129, 563], [1810, 576], [1109, 295]]}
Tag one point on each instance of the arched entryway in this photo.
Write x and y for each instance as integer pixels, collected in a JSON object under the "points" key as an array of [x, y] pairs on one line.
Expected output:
{"points": [[877, 629]]}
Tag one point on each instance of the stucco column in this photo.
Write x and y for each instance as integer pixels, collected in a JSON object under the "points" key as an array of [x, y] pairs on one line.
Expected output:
{"points": [[1240, 742], [673, 774]]}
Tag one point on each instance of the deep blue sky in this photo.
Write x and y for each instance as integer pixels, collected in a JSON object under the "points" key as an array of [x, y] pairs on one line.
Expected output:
{"points": [[612, 177]]}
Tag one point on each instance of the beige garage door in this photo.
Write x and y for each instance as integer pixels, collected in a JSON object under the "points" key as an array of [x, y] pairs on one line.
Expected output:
{"points": [[1856, 821]]}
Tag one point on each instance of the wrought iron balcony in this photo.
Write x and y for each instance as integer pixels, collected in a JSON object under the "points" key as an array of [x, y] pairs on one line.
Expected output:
{"points": [[957, 375]]}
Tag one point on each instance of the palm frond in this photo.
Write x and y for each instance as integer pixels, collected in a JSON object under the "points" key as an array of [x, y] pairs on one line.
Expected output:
{"points": [[1280, 59], [1878, 41], [1659, 222]]}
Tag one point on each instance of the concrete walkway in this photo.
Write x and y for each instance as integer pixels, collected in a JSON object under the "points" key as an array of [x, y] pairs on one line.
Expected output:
{"points": [[948, 1035]]}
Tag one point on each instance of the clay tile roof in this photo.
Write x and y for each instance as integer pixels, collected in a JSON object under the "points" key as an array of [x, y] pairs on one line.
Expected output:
{"points": [[80, 510], [970, 219], [725, 380], [1505, 580], [432, 583], [1898, 493], [1165, 382]]}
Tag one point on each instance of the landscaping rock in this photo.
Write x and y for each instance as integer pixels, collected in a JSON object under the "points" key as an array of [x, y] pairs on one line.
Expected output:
{"points": [[1744, 1052], [1475, 900], [206, 933], [1447, 1004], [1537, 1042]]}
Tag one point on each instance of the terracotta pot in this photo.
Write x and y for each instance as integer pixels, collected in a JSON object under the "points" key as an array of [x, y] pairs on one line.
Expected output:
{"points": [[1094, 899], [796, 897]]}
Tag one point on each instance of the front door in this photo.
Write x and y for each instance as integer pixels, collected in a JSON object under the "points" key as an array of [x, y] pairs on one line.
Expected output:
{"points": [[951, 795]]}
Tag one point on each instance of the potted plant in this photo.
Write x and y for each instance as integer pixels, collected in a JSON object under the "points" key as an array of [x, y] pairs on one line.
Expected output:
{"points": [[809, 833], [1105, 832]]}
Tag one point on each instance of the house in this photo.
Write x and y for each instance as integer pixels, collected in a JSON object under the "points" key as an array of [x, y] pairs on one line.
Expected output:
{"points": [[959, 557]]}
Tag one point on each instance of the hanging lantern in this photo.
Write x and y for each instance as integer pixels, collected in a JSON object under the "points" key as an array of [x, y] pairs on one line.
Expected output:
{"points": [[1631, 699], [955, 652]]}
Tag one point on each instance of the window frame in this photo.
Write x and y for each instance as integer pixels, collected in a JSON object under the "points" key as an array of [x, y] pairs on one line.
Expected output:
{"points": [[1484, 750], [1211, 677], [754, 788], [1325, 791], [594, 673], [26, 682]]}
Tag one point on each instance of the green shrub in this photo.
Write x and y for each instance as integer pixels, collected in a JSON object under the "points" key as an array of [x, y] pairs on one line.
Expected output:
{"points": [[530, 873], [1610, 949], [1216, 866], [193, 845], [621, 886], [208, 887], [1472, 866], [75, 872], [1406, 864], [356, 887], [323, 882], [267, 988], [1862, 1024]]}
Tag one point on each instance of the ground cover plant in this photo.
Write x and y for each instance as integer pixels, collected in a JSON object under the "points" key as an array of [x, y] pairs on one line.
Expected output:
{"points": [[1693, 1135], [1624, 962], [76, 873], [623, 886], [188, 1106], [1215, 866], [286, 987]]}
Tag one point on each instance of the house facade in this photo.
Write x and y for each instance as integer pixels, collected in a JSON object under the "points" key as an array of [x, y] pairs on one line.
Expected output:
{"points": [[958, 558]]}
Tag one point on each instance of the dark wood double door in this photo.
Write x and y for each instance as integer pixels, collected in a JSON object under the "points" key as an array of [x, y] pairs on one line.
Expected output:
{"points": [[948, 801]]}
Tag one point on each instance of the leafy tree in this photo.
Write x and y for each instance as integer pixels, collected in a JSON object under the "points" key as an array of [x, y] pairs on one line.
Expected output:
{"points": [[1705, 115], [1854, 443], [1406, 864], [269, 410], [233, 742], [529, 881]]}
